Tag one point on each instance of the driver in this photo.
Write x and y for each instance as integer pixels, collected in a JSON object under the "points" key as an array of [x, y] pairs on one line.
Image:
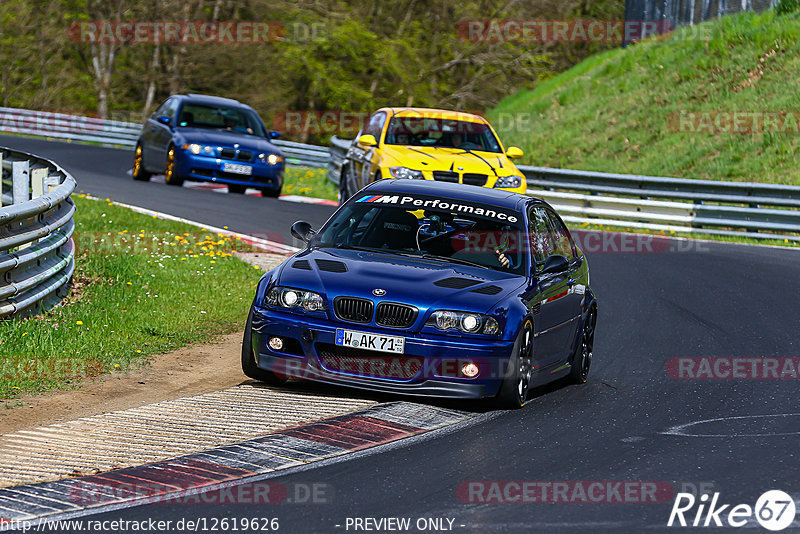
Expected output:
{"points": [[456, 140], [403, 138]]}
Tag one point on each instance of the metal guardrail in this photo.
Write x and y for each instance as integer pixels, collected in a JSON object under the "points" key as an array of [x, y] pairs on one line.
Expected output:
{"points": [[655, 203], [746, 209], [37, 254], [124, 134]]}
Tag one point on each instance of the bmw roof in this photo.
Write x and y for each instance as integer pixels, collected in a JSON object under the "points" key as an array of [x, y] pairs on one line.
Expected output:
{"points": [[212, 99], [472, 193]]}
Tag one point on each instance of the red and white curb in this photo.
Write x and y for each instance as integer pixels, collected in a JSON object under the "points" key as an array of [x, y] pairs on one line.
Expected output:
{"points": [[178, 478]]}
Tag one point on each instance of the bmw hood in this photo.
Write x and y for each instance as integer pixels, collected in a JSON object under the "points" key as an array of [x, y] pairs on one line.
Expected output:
{"points": [[203, 136], [451, 159], [419, 282]]}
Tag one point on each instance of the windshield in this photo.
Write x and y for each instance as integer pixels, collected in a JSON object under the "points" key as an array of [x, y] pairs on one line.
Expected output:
{"points": [[444, 133], [439, 229], [209, 116]]}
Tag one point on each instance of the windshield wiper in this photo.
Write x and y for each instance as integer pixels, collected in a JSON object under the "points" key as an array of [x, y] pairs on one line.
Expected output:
{"points": [[436, 257], [422, 255]]}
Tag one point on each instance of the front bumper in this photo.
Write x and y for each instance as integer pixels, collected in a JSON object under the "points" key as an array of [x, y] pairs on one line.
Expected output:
{"points": [[490, 180], [210, 169], [429, 364]]}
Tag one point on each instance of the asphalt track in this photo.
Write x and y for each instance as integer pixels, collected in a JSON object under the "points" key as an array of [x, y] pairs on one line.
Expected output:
{"points": [[695, 299]]}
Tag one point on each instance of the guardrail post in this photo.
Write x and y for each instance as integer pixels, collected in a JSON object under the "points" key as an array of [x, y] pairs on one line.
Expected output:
{"points": [[51, 182], [38, 176], [21, 181]]}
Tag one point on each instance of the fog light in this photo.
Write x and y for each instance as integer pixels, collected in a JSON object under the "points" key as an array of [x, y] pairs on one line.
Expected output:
{"points": [[470, 370], [275, 343]]}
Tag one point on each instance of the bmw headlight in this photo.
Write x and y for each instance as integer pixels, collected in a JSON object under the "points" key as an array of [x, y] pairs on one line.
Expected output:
{"points": [[508, 182], [272, 159], [405, 172], [467, 322], [194, 148], [285, 297]]}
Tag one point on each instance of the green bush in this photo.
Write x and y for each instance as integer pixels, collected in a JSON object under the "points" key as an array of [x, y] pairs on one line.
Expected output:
{"points": [[787, 6]]}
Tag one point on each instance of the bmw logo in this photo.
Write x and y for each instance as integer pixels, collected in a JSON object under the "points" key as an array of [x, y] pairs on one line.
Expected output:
{"points": [[379, 292]]}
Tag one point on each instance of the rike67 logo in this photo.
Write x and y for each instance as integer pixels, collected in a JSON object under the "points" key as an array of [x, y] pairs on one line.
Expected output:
{"points": [[774, 510]]}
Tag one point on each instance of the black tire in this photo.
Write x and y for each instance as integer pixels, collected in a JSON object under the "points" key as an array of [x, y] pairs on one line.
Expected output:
{"points": [[582, 358], [249, 367], [516, 382], [237, 189], [170, 176], [271, 193], [138, 171]]}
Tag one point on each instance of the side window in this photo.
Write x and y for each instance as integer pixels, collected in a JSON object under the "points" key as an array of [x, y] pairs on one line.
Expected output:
{"points": [[562, 240], [162, 109], [542, 244], [172, 107], [375, 125]]}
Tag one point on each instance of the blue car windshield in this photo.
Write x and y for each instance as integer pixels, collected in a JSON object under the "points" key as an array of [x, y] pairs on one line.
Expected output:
{"points": [[448, 230], [232, 119]]}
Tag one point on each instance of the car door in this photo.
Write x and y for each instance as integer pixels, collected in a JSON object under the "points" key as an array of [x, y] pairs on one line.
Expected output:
{"points": [[569, 304], [363, 159], [148, 135], [553, 316], [162, 133]]}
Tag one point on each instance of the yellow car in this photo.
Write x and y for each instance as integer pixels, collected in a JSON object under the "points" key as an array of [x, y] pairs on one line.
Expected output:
{"points": [[429, 144]]}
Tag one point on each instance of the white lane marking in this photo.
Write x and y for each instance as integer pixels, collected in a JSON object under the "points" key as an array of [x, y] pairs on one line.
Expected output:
{"points": [[263, 244], [680, 430]]}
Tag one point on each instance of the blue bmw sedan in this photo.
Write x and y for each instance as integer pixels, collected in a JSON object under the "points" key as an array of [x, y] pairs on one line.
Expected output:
{"points": [[211, 139], [426, 288]]}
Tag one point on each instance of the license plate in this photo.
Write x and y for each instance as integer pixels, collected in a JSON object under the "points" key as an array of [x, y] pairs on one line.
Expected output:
{"points": [[237, 169], [367, 341]]}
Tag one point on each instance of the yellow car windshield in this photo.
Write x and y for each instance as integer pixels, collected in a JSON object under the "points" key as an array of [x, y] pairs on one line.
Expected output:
{"points": [[441, 133]]}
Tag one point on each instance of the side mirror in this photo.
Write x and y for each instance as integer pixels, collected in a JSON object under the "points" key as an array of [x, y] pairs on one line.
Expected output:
{"points": [[514, 152], [368, 140], [555, 264], [163, 119], [303, 231], [273, 134]]}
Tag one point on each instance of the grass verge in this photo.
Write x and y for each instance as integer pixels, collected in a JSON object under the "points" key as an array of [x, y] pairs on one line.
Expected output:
{"points": [[143, 286], [309, 182], [662, 106]]}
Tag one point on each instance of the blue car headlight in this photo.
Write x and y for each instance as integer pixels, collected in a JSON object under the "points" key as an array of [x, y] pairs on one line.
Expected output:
{"points": [[195, 149], [405, 172], [508, 182], [467, 322], [286, 297], [272, 159]]}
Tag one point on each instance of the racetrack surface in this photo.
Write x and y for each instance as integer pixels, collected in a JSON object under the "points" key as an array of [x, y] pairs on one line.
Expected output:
{"points": [[697, 299], [105, 173]]}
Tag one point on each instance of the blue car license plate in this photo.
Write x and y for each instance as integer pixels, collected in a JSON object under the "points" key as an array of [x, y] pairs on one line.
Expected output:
{"points": [[367, 341], [237, 169]]}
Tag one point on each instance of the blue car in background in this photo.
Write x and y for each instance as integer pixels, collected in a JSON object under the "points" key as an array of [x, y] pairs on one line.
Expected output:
{"points": [[427, 288], [212, 139]]}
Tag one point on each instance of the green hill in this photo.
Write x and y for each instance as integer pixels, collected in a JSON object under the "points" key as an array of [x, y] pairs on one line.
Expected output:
{"points": [[663, 106]]}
